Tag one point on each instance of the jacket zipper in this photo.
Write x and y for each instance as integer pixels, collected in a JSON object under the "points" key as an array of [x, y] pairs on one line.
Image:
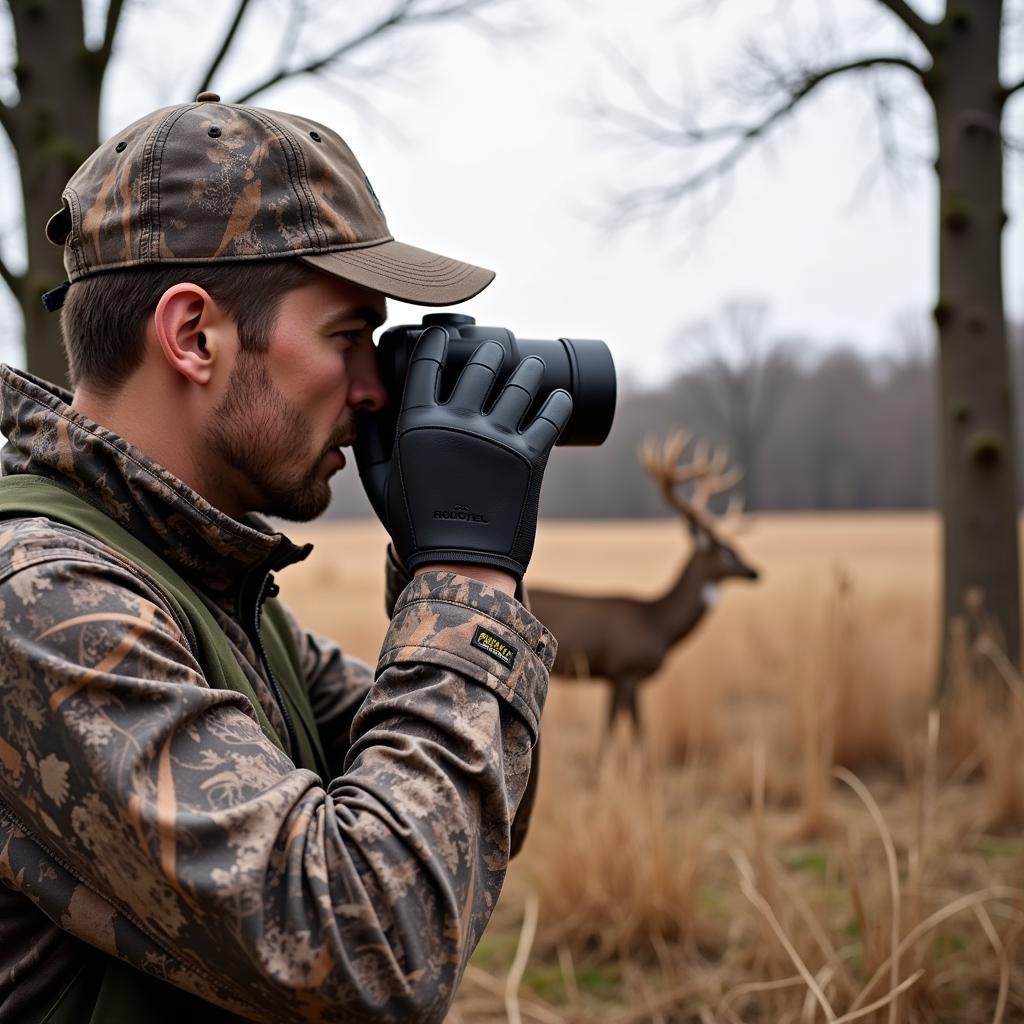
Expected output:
{"points": [[269, 589]]}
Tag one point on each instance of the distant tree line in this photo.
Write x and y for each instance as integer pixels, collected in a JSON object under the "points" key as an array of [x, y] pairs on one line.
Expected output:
{"points": [[841, 431], [813, 427]]}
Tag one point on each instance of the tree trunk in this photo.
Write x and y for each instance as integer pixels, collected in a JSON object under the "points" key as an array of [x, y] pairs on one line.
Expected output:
{"points": [[978, 493], [53, 129]]}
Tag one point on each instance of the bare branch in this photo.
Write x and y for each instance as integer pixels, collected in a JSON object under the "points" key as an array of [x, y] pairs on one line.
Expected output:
{"points": [[374, 30], [225, 45], [921, 27], [662, 121], [1012, 90], [745, 136], [290, 36], [114, 10], [403, 13], [895, 162], [12, 280]]}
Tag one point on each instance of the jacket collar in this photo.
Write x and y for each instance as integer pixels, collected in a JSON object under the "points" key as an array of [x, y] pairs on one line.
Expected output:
{"points": [[46, 437]]}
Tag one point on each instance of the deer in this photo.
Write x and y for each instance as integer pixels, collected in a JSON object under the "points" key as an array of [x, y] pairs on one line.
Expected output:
{"points": [[624, 640]]}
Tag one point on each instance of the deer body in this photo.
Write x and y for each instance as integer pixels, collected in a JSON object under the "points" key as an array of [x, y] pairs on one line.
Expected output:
{"points": [[615, 635], [624, 640]]}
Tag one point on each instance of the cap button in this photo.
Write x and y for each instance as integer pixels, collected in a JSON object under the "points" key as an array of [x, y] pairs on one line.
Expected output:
{"points": [[208, 97]]}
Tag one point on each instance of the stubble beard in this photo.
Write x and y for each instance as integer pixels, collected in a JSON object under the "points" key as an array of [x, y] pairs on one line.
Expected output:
{"points": [[264, 440]]}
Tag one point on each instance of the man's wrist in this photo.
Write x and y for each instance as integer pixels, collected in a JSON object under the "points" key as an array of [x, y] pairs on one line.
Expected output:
{"points": [[502, 581]]}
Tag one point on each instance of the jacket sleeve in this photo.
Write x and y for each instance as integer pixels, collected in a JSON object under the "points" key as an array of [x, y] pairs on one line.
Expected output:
{"points": [[337, 686], [148, 815], [396, 579]]}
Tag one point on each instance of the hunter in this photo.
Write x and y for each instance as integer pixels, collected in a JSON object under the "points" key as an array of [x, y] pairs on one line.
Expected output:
{"points": [[207, 813]]}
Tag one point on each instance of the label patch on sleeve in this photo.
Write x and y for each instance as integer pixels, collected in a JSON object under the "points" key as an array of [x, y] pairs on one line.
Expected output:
{"points": [[495, 647]]}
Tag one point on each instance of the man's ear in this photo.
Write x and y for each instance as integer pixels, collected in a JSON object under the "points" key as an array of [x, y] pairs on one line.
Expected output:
{"points": [[188, 328]]}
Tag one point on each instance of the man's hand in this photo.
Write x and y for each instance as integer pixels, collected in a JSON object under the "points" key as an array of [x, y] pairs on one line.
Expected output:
{"points": [[461, 486]]}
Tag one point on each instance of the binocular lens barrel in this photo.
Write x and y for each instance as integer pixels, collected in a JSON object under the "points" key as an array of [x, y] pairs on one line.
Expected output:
{"points": [[584, 368]]}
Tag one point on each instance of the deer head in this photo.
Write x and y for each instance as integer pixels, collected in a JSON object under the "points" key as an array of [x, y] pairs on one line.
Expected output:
{"points": [[709, 476]]}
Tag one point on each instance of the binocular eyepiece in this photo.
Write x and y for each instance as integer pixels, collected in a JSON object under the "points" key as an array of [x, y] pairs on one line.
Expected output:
{"points": [[584, 368]]}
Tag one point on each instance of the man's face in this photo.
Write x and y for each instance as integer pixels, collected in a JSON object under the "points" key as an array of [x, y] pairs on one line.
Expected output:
{"points": [[276, 434]]}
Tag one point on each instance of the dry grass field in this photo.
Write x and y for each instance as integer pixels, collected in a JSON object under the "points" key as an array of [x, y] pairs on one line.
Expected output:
{"points": [[800, 837]]}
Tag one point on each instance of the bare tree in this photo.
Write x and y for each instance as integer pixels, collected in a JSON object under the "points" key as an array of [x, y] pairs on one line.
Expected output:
{"points": [[955, 62], [52, 124]]}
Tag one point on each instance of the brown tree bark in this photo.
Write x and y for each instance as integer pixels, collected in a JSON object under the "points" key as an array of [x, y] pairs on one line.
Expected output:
{"points": [[52, 129], [978, 494]]}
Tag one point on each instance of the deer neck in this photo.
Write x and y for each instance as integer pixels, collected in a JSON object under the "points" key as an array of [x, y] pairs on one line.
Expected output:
{"points": [[680, 609]]}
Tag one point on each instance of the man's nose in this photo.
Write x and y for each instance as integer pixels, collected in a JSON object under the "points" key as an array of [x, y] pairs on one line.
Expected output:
{"points": [[366, 390]]}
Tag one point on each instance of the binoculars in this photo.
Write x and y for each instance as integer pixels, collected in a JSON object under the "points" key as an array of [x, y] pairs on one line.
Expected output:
{"points": [[584, 368]]}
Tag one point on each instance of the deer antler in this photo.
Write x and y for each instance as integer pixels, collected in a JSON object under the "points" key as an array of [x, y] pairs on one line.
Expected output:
{"points": [[707, 468]]}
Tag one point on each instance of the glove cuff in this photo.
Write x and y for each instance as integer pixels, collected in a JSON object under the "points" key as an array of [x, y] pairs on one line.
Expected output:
{"points": [[459, 556]]}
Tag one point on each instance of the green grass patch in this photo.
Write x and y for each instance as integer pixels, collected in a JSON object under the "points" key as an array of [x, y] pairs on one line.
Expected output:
{"points": [[548, 983], [495, 949], [999, 846], [598, 981], [806, 859]]}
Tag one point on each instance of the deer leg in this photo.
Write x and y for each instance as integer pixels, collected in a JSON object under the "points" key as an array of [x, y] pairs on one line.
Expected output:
{"points": [[616, 705], [623, 700], [633, 704]]}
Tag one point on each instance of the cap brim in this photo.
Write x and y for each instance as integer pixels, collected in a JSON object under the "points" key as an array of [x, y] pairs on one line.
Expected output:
{"points": [[406, 273]]}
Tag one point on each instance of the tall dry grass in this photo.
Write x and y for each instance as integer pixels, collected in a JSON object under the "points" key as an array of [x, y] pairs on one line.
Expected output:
{"points": [[629, 887], [902, 914]]}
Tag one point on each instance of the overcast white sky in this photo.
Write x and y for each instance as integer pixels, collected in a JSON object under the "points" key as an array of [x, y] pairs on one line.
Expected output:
{"points": [[485, 151]]}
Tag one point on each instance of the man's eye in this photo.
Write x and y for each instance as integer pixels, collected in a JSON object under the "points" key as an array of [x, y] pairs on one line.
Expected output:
{"points": [[349, 338]]}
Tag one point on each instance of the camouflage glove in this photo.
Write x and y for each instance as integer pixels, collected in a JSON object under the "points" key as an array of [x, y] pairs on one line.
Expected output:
{"points": [[462, 485]]}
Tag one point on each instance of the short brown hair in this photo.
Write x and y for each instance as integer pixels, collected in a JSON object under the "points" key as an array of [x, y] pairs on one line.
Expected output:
{"points": [[104, 316]]}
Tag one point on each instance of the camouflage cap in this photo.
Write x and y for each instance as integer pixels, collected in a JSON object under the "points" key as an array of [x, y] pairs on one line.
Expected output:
{"points": [[209, 181]]}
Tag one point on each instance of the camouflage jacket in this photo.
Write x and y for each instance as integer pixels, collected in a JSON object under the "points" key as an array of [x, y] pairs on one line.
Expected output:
{"points": [[145, 814]]}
